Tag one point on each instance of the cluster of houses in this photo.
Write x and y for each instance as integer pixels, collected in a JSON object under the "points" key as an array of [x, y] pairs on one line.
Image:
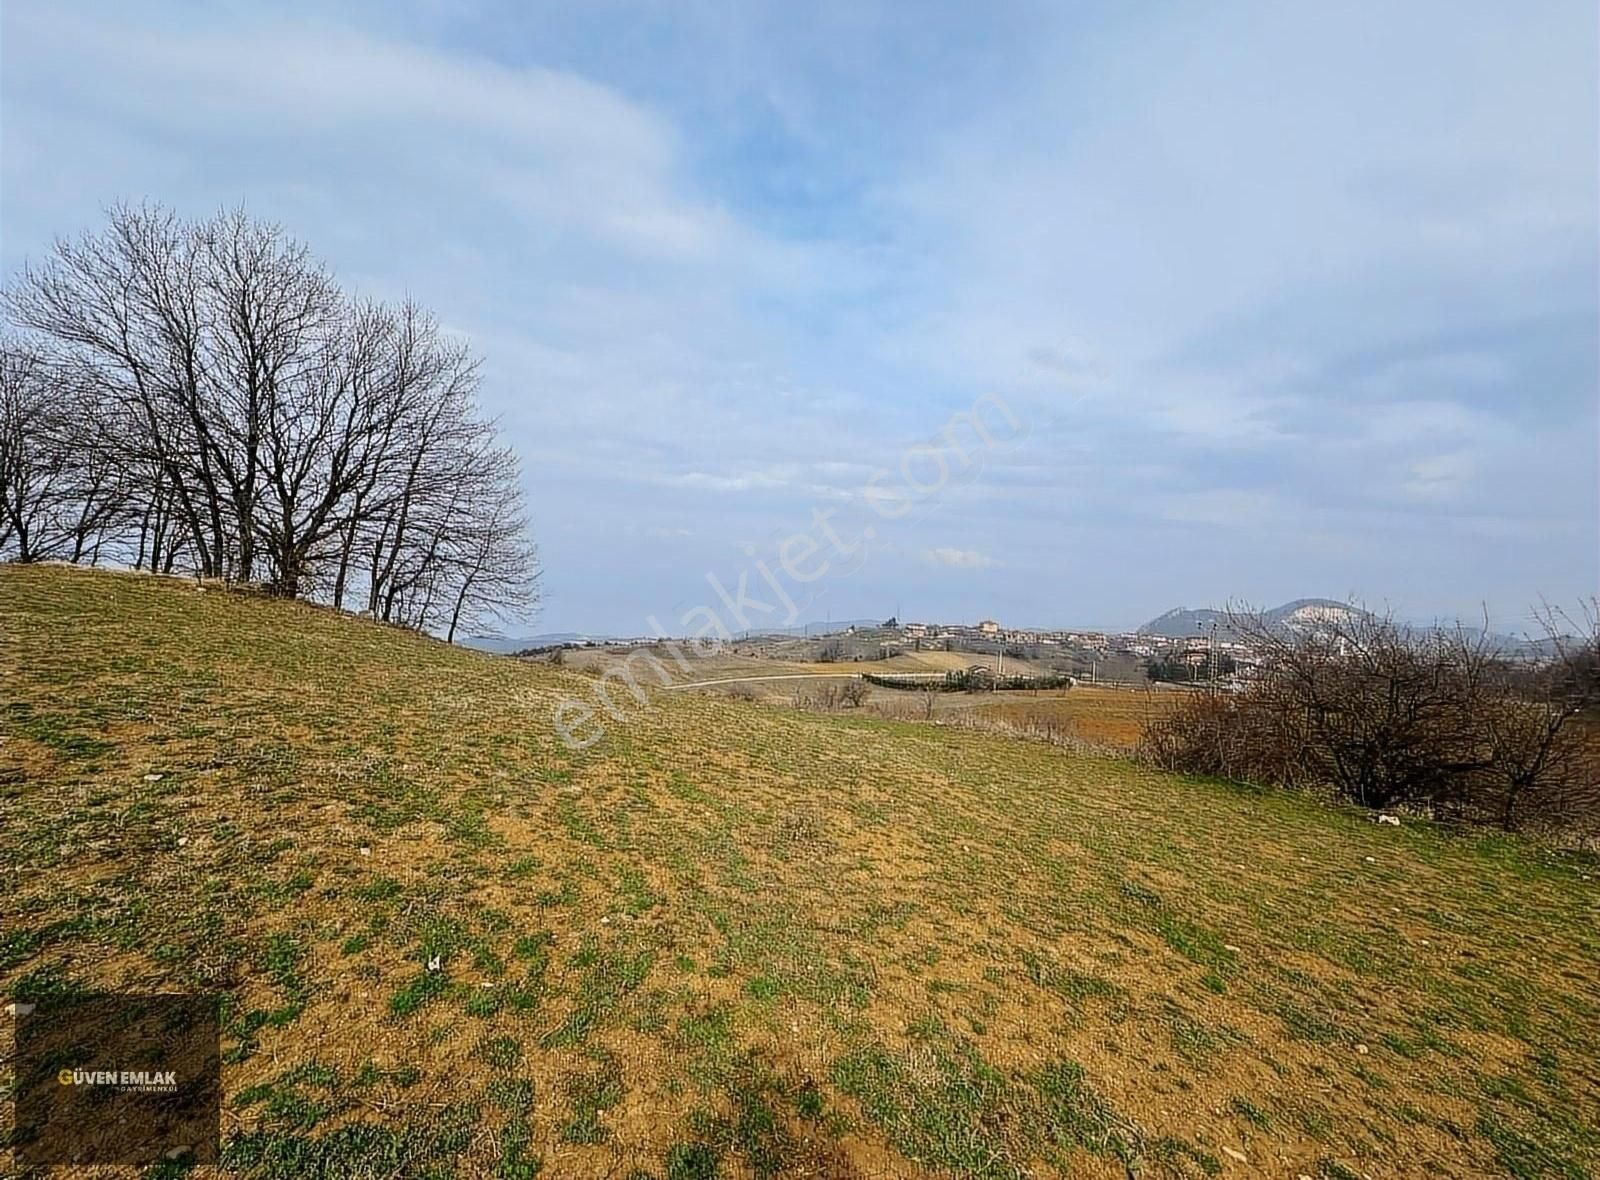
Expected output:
{"points": [[1198, 652], [989, 631]]}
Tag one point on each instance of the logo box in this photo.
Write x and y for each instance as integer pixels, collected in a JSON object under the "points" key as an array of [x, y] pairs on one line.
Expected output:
{"points": [[118, 1079]]}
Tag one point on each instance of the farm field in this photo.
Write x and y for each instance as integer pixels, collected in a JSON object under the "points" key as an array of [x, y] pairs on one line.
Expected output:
{"points": [[737, 940], [1101, 716], [736, 663]]}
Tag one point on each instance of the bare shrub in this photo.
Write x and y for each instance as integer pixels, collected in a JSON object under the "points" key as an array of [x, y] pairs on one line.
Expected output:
{"points": [[825, 697], [1439, 721], [853, 694], [1042, 724], [1242, 738]]}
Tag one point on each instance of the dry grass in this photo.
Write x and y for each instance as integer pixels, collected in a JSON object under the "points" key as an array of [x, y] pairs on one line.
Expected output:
{"points": [[738, 940], [1099, 716]]}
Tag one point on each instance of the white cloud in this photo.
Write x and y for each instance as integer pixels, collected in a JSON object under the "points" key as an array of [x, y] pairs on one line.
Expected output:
{"points": [[969, 559], [656, 532], [1428, 422], [723, 267], [1221, 507], [559, 149], [1439, 478]]}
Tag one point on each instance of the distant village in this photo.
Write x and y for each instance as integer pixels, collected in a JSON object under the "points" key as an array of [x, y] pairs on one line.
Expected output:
{"points": [[1204, 655], [1091, 656], [1094, 656]]}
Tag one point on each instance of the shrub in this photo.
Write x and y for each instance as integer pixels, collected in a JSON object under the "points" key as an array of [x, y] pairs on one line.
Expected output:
{"points": [[1234, 737], [825, 696], [1440, 721]]}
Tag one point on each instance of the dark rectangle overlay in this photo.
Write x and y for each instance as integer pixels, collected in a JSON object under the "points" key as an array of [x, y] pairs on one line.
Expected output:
{"points": [[118, 1079]]}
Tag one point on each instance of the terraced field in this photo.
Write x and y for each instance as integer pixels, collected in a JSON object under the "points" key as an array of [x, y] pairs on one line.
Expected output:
{"points": [[739, 940]]}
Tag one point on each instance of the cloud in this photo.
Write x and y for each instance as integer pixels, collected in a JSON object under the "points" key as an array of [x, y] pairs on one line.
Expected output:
{"points": [[1220, 507], [1439, 477], [657, 532], [1288, 309], [969, 559]]}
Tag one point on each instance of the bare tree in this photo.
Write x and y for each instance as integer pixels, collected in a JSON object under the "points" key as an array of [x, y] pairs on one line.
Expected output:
{"points": [[1545, 760], [433, 432], [122, 309], [491, 563], [324, 437], [205, 395], [274, 326], [34, 463]]}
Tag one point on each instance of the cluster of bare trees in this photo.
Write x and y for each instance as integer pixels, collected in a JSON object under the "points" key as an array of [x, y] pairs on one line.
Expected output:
{"points": [[1442, 721], [202, 396], [852, 694]]}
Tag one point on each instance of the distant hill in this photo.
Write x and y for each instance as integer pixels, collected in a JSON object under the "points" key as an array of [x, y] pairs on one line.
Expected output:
{"points": [[505, 645], [813, 629], [1182, 623], [510, 644]]}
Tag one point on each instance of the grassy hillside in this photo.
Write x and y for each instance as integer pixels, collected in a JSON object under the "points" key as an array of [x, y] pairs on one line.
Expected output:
{"points": [[733, 939]]}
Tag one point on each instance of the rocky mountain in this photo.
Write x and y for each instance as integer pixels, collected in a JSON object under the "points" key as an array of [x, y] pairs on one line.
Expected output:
{"points": [[1307, 612], [1182, 623]]}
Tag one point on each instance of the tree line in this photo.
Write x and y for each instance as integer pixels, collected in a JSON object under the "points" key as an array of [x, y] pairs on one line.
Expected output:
{"points": [[201, 396], [975, 679], [1174, 669]]}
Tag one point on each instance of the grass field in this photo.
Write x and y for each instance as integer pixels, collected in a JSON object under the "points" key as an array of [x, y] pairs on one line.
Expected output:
{"points": [[740, 940]]}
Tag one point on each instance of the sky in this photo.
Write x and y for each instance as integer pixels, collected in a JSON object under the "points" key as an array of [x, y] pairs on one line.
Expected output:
{"points": [[1254, 301]]}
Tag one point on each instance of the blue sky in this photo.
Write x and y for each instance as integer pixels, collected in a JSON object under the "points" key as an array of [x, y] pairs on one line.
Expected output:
{"points": [[1288, 299]]}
